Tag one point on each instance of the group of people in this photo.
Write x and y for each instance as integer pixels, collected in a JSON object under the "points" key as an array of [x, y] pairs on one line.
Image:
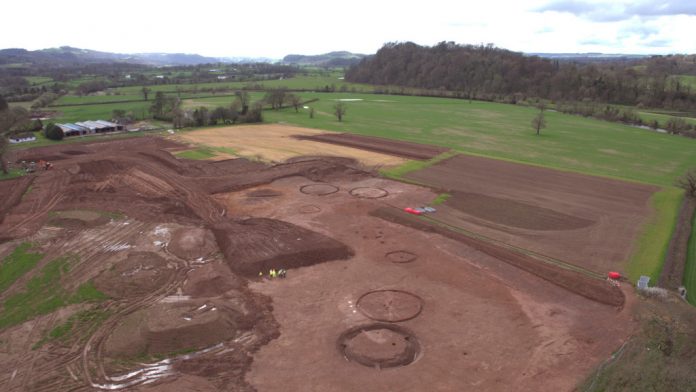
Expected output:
{"points": [[276, 273]]}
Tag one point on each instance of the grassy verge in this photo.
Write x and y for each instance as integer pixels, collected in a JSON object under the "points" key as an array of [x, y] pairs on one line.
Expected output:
{"points": [[16, 264], [649, 254], [85, 322], [199, 153], [12, 173], [203, 153], [690, 267], [44, 294], [398, 172], [441, 198]]}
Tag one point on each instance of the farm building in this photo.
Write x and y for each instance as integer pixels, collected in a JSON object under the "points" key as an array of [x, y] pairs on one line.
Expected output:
{"points": [[89, 128], [22, 137]]}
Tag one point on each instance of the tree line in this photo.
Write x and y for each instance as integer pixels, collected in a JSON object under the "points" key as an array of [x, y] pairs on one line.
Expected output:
{"points": [[488, 73]]}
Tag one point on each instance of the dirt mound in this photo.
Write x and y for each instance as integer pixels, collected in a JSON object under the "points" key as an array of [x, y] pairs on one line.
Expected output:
{"points": [[259, 244], [376, 144], [192, 243], [514, 213], [139, 274], [576, 282], [166, 328], [390, 305], [379, 345], [210, 280]]}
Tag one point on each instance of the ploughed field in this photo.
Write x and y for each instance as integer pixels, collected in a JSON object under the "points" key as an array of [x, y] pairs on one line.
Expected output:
{"points": [[591, 222], [374, 299]]}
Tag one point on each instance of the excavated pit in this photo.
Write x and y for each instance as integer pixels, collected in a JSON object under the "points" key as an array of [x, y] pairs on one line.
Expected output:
{"points": [[369, 193], [401, 256], [390, 305], [318, 189], [309, 209], [379, 345]]}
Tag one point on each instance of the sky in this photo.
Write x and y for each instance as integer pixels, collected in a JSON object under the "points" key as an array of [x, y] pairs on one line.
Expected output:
{"points": [[273, 29]]}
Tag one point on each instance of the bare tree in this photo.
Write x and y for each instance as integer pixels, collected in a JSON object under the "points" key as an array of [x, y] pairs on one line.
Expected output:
{"points": [[539, 122], [294, 100], [9, 118], [243, 97], [340, 110], [688, 183]]}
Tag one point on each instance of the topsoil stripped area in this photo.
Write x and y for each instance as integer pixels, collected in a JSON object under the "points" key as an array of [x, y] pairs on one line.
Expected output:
{"points": [[386, 146], [177, 245], [589, 221], [277, 143]]}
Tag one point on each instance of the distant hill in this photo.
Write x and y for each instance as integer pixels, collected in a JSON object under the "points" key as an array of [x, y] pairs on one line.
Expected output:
{"points": [[331, 59], [66, 55], [589, 57]]}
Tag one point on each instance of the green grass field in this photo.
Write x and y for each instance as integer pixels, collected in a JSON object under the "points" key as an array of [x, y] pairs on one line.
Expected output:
{"points": [[199, 154], [651, 248], [690, 268], [503, 131]]}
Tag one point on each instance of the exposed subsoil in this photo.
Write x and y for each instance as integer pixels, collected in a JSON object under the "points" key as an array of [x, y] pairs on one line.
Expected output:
{"points": [[386, 146], [575, 282], [163, 257], [187, 311], [558, 214], [379, 345]]}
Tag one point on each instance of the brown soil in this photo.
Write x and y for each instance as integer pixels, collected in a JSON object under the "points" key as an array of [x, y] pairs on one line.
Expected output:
{"points": [[513, 213], [369, 193], [401, 256], [578, 283], [211, 280], [318, 189], [386, 146], [263, 193], [379, 345], [483, 312], [390, 305], [140, 273], [192, 243], [554, 213], [173, 327], [258, 245]]}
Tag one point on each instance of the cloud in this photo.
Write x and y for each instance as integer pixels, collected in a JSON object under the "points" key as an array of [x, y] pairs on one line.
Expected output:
{"points": [[612, 11], [643, 31], [658, 43]]}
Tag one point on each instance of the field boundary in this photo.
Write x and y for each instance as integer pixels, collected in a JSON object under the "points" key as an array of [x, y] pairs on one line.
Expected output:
{"points": [[650, 249]]}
